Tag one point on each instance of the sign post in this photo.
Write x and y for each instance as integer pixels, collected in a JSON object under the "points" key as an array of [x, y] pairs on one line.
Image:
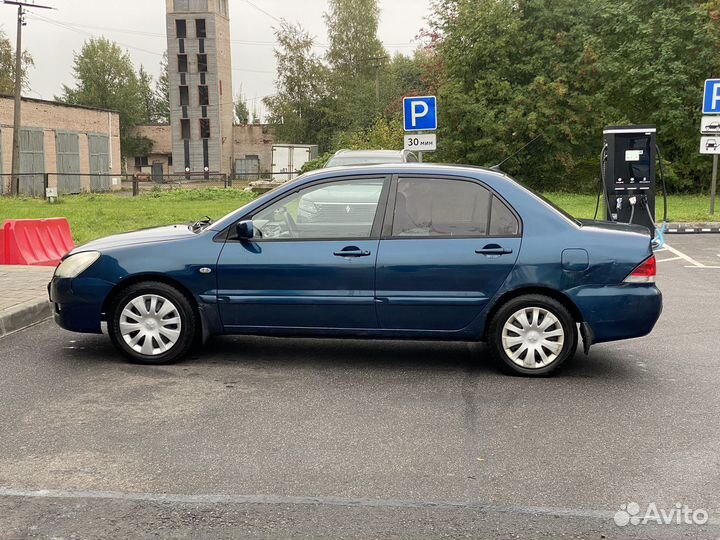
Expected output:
{"points": [[420, 114], [710, 128], [713, 185]]}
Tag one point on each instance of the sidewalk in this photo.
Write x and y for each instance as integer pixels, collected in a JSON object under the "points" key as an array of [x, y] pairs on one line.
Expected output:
{"points": [[23, 296]]}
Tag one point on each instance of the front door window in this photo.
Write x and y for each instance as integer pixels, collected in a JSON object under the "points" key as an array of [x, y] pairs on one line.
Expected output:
{"points": [[329, 211]]}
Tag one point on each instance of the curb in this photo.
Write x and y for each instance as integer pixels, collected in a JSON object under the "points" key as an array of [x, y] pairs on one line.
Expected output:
{"points": [[24, 315], [692, 228]]}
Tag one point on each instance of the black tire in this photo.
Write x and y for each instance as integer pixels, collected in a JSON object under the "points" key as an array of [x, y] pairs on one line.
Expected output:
{"points": [[506, 315], [187, 327]]}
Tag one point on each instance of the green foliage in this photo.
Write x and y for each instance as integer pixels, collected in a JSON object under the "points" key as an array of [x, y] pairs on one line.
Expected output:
{"points": [[147, 96], [356, 58], [7, 66], [317, 163], [383, 134], [352, 96], [505, 72], [300, 108], [106, 78], [242, 113], [514, 69], [137, 146], [162, 94]]}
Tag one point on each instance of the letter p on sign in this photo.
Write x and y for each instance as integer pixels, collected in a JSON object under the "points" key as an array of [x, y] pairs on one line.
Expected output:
{"points": [[420, 113], [711, 100]]}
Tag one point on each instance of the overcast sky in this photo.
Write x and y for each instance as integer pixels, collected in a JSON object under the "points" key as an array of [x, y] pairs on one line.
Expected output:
{"points": [[52, 37]]}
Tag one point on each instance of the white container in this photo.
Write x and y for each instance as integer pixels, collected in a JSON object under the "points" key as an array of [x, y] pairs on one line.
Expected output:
{"points": [[288, 159]]}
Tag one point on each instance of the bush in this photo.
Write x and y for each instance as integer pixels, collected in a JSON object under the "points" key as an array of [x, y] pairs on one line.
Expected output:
{"points": [[317, 163]]}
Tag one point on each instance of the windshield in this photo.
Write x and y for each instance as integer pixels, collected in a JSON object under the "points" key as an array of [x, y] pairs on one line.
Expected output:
{"points": [[341, 161]]}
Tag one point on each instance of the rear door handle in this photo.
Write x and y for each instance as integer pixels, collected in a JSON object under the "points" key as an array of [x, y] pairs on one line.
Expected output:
{"points": [[352, 252], [493, 249]]}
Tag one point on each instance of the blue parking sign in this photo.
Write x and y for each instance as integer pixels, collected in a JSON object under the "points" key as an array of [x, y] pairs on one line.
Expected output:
{"points": [[711, 101], [420, 113]]}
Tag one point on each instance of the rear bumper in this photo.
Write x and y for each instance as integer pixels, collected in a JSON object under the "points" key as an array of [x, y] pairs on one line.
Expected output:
{"points": [[619, 312], [78, 303]]}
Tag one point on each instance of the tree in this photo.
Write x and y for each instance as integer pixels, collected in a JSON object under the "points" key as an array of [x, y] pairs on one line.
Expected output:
{"points": [[147, 96], [256, 115], [7, 66], [105, 78], [512, 69], [356, 58], [661, 82], [383, 134], [299, 109], [162, 93], [242, 113], [352, 30]]}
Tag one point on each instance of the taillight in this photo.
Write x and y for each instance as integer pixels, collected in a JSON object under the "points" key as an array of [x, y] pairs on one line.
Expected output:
{"points": [[645, 273]]}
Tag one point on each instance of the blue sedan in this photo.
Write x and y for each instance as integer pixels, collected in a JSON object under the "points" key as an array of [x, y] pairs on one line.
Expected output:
{"points": [[401, 251]]}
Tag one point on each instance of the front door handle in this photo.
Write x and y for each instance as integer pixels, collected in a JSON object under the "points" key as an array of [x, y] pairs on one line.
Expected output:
{"points": [[352, 251], [493, 249]]}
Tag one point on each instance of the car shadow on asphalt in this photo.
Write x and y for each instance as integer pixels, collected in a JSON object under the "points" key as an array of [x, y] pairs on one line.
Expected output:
{"points": [[473, 359]]}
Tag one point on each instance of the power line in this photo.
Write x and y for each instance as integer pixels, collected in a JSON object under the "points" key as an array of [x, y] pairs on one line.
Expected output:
{"points": [[92, 34], [261, 10], [159, 35], [72, 28]]}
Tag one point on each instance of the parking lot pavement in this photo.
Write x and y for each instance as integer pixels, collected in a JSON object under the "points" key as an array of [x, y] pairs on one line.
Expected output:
{"points": [[703, 249], [279, 438]]}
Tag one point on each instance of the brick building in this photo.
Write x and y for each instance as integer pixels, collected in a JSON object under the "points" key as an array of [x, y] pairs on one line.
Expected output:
{"points": [[251, 149], [160, 159], [83, 143]]}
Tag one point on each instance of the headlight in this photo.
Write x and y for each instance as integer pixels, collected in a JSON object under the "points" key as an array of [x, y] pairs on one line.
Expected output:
{"points": [[76, 264]]}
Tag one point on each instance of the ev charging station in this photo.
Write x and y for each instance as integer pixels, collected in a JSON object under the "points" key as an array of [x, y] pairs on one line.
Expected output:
{"points": [[628, 174]]}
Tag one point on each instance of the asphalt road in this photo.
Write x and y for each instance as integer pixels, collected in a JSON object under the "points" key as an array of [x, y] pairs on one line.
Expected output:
{"points": [[274, 438]]}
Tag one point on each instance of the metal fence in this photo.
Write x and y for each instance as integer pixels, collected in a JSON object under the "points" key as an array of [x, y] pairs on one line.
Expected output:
{"points": [[35, 184]]}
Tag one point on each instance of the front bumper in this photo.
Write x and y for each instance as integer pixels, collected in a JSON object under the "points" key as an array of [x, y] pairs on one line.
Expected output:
{"points": [[78, 303], [619, 312]]}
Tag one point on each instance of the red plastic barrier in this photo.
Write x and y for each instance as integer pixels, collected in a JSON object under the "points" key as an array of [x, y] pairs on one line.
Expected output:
{"points": [[35, 242]]}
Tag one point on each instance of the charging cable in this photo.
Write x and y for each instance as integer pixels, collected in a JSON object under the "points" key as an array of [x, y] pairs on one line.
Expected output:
{"points": [[603, 189], [659, 240], [632, 200]]}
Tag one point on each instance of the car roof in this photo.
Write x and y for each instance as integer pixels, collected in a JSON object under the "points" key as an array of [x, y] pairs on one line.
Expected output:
{"points": [[393, 168], [369, 153]]}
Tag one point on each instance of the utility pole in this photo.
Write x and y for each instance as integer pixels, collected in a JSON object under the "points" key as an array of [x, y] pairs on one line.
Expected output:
{"points": [[377, 62], [15, 186]]}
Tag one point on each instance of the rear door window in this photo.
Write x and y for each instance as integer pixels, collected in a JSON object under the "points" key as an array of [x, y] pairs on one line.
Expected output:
{"points": [[502, 221], [438, 207]]}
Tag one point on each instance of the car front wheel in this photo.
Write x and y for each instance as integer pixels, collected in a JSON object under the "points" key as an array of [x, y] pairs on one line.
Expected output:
{"points": [[152, 323], [533, 334]]}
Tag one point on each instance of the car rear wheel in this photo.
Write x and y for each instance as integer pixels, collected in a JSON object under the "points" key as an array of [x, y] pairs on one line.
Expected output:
{"points": [[152, 323], [533, 335]]}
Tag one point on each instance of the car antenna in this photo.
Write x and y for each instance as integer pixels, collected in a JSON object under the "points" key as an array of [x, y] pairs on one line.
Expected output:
{"points": [[497, 167]]}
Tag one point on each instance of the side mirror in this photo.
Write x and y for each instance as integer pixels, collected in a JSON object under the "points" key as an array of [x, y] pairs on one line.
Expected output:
{"points": [[245, 230]]}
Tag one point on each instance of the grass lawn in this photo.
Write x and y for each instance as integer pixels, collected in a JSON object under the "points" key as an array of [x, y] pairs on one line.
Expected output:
{"points": [[93, 216], [681, 208]]}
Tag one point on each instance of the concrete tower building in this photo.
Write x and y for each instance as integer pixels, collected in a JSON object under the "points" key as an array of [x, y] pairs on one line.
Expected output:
{"points": [[200, 80]]}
